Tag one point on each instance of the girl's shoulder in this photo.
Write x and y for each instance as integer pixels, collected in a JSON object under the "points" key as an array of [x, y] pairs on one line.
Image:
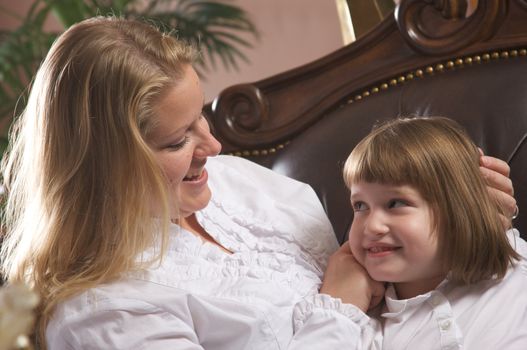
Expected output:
{"points": [[518, 243]]}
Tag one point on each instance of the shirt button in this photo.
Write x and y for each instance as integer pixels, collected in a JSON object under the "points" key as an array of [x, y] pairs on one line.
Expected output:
{"points": [[445, 325], [436, 300]]}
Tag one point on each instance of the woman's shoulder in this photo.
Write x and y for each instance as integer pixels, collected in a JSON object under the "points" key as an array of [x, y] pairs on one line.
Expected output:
{"points": [[251, 184], [244, 170], [259, 207]]}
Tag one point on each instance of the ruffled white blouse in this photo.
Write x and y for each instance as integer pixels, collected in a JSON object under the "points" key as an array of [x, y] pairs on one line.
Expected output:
{"points": [[262, 296]]}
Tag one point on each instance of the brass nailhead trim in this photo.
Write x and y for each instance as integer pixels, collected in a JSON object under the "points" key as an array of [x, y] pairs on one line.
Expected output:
{"points": [[419, 73], [440, 67], [256, 152]]}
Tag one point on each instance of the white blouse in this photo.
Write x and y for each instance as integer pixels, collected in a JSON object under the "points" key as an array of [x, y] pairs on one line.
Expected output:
{"points": [[486, 315], [263, 296]]}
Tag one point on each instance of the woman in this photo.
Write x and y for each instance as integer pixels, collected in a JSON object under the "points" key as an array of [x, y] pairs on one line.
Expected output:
{"points": [[133, 236]]}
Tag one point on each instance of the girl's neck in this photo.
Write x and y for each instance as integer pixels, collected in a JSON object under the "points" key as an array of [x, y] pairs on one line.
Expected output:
{"points": [[407, 290]]}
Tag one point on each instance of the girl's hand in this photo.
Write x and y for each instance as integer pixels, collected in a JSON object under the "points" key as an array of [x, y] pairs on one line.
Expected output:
{"points": [[346, 279], [496, 172]]}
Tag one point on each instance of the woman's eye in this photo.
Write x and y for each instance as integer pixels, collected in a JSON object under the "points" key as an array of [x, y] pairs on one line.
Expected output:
{"points": [[397, 203], [179, 145], [359, 206]]}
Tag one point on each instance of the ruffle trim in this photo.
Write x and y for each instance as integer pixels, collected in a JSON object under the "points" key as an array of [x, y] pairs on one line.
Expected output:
{"points": [[189, 259], [323, 302], [238, 222], [242, 230]]}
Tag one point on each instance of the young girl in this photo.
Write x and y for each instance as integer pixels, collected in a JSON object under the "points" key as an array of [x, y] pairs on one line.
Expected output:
{"points": [[425, 224]]}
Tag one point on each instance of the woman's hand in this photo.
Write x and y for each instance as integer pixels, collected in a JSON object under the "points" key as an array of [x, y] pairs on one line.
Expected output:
{"points": [[496, 172], [346, 279]]}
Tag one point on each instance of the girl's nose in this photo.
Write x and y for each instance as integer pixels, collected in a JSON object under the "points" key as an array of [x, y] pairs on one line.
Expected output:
{"points": [[376, 224]]}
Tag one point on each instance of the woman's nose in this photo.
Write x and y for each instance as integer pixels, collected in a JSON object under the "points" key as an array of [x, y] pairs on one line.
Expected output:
{"points": [[208, 145]]}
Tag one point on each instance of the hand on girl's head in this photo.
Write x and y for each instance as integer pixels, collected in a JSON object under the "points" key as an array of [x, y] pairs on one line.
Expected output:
{"points": [[496, 172]]}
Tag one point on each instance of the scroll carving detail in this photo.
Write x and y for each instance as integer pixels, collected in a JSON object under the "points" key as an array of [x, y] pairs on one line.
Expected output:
{"points": [[422, 23], [244, 109]]}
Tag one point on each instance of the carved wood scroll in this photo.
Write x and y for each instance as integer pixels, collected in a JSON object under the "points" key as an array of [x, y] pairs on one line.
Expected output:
{"points": [[423, 24], [243, 109]]}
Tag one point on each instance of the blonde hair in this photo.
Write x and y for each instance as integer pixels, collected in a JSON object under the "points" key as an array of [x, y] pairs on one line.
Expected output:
{"points": [[80, 176], [437, 158]]}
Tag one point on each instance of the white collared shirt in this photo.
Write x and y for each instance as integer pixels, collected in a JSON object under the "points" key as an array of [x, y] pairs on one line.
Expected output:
{"points": [[486, 315], [263, 296]]}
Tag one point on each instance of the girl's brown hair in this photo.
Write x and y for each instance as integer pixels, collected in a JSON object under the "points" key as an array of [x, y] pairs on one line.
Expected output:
{"points": [[437, 157]]}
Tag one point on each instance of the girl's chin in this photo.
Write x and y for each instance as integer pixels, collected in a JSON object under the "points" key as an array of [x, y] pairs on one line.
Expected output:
{"points": [[382, 276]]}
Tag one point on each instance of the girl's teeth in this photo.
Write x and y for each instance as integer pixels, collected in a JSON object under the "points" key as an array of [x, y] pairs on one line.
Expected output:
{"points": [[379, 249]]}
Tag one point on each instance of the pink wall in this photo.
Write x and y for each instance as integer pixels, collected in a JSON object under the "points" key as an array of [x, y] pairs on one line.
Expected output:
{"points": [[292, 32]]}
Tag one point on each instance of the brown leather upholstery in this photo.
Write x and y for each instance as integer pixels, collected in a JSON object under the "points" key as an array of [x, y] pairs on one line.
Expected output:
{"points": [[304, 122]]}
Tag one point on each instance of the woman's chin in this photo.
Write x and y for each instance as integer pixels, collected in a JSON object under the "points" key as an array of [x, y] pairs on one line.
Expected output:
{"points": [[192, 203]]}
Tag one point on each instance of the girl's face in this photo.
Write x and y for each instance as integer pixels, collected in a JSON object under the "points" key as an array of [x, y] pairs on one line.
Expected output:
{"points": [[392, 237], [181, 142]]}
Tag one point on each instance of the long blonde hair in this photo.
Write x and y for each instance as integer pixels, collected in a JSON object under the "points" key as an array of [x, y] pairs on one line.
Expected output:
{"points": [[79, 175], [437, 157]]}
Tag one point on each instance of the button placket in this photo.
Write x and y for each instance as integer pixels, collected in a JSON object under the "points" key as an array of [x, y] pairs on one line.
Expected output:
{"points": [[442, 313]]}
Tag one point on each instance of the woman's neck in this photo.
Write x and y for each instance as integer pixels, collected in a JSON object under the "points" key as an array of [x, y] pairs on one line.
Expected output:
{"points": [[191, 224]]}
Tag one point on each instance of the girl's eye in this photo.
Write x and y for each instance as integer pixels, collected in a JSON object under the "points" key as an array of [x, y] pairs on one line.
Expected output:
{"points": [[179, 145], [397, 203], [359, 206]]}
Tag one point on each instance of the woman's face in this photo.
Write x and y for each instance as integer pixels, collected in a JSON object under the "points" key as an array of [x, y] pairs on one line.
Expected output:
{"points": [[181, 141]]}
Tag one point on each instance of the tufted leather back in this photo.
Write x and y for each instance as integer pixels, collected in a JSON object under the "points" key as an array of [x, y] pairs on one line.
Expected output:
{"points": [[489, 101]]}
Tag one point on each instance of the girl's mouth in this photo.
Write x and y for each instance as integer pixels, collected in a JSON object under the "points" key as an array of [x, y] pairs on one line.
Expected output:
{"points": [[381, 251]]}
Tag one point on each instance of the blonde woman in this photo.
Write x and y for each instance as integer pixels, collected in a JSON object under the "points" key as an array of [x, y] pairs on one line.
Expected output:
{"points": [[135, 235], [425, 224]]}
